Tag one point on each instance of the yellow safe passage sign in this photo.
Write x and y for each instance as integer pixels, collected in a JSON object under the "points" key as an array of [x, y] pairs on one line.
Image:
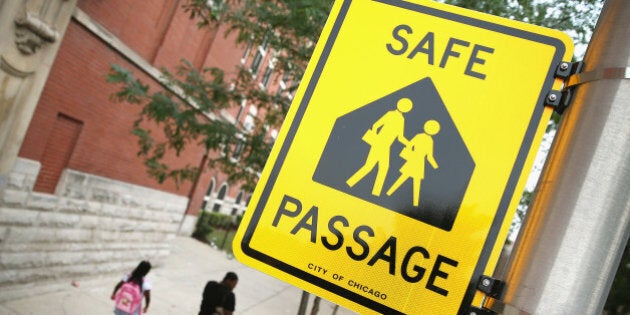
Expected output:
{"points": [[398, 169]]}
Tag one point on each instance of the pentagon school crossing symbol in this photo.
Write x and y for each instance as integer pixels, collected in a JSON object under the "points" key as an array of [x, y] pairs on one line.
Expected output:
{"points": [[399, 167], [430, 193]]}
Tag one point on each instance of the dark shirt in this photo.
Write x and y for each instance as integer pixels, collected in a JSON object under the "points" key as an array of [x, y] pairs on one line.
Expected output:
{"points": [[215, 295]]}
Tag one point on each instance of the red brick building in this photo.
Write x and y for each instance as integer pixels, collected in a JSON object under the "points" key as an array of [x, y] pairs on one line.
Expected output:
{"points": [[77, 183], [76, 126]]}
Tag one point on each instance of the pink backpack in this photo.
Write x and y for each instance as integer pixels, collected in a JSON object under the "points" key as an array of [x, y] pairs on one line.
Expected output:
{"points": [[129, 297]]}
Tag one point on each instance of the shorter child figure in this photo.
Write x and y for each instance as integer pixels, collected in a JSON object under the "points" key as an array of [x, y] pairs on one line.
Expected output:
{"points": [[129, 291], [415, 153]]}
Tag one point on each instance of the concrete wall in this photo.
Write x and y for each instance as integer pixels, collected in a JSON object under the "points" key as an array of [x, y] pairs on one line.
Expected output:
{"points": [[91, 225]]}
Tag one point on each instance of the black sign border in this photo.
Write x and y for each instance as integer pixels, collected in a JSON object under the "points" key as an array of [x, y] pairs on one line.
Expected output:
{"points": [[507, 194]]}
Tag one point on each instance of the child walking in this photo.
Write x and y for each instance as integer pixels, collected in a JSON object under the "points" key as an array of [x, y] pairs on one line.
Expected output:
{"points": [[128, 293]]}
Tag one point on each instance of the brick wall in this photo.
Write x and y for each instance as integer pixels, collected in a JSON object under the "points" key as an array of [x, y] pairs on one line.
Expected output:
{"points": [[57, 152], [140, 24], [77, 88]]}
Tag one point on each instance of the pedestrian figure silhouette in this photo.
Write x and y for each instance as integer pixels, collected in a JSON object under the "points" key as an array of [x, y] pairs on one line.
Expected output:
{"points": [[380, 137], [415, 153]]}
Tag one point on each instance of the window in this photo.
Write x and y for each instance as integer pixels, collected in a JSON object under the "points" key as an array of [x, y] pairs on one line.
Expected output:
{"points": [[248, 49], [216, 8], [278, 96], [238, 149], [259, 56], [285, 78], [265, 43], [208, 197], [253, 68], [237, 203], [273, 135], [279, 92], [220, 196], [266, 76], [250, 120], [214, 5], [240, 111]]}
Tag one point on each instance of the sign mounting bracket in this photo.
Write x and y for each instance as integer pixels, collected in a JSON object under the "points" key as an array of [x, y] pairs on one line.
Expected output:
{"points": [[573, 75], [560, 100], [492, 288]]}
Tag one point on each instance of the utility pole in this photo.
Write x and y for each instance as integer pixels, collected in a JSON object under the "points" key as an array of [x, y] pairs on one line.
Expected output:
{"points": [[303, 303], [578, 224]]}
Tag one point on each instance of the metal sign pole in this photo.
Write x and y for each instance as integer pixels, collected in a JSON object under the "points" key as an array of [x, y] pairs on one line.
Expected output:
{"points": [[571, 244]]}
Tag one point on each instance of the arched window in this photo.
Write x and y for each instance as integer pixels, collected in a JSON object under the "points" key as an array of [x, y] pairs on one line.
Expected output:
{"points": [[264, 82], [220, 196], [237, 203], [208, 197]]}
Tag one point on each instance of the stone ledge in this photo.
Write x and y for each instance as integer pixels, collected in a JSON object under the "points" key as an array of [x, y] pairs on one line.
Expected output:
{"points": [[41, 201], [10, 197], [19, 217], [79, 185], [47, 235], [87, 247], [26, 167], [18, 261]]}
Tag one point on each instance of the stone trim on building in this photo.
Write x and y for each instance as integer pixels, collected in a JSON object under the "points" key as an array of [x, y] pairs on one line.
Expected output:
{"points": [[91, 225]]}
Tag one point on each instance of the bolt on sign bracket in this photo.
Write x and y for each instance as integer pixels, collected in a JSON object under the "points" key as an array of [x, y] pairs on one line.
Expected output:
{"points": [[573, 75], [560, 100], [492, 288]]}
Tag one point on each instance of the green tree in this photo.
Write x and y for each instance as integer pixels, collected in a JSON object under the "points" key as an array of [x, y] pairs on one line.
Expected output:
{"points": [[192, 117]]}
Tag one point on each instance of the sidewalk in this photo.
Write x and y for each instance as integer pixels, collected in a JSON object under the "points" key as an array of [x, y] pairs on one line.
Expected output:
{"points": [[177, 287]]}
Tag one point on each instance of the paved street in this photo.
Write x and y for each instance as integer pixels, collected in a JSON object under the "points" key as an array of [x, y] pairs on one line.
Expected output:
{"points": [[177, 287]]}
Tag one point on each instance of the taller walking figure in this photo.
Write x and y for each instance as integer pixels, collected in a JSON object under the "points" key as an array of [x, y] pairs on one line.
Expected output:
{"points": [[380, 137]]}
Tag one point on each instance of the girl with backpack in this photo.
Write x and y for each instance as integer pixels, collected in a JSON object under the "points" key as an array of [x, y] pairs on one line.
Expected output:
{"points": [[129, 291]]}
